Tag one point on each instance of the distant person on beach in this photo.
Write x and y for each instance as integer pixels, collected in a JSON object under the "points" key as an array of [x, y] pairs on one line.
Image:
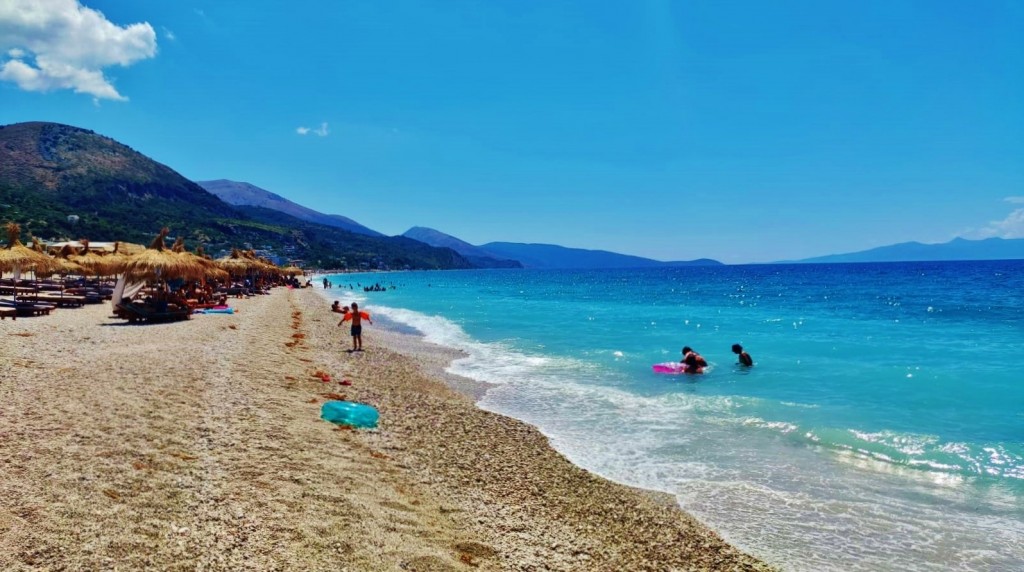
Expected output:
{"points": [[693, 362], [336, 307], [357, 318], [743, 356]]}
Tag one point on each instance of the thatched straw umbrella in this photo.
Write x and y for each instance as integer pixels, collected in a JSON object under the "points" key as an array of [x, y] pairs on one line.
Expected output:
{"points": [[214, 269], [238, 264], [266, 266], [159, 263], [210, 268], [114, 263], [17, 256], [59, 262], [292, 270], [42, 269], [50, 264], [65, 264], [94, 263], [261, 264], [128, 248], [242, 263]]}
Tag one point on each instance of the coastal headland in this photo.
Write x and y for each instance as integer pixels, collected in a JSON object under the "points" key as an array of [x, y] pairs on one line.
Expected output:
{"points": [[198, 446]]}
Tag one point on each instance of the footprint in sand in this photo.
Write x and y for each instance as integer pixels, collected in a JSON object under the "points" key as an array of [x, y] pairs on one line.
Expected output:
{"points": [[428, 564], [476, 549]]}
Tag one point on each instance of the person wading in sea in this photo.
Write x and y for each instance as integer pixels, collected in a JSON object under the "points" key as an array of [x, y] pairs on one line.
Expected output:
{"points": [[743, 356], [693, 362]]}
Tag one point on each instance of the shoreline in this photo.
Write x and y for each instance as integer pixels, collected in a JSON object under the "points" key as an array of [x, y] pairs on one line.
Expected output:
{"points": [[199, 444], [435, 360]]}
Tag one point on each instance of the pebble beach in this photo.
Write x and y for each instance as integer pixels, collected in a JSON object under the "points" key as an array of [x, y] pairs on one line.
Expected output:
{"points": [[198, 446]]}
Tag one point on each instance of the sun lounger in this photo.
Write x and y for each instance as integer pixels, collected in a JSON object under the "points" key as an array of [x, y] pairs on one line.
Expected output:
{"points": [[5, 312], [99, 293], [27, 309], [21, 290], [65, 301], [137, 313], [92, 296]]}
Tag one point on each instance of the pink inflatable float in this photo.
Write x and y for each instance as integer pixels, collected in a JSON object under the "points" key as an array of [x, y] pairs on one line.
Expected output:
{"points": [[673, 368]]}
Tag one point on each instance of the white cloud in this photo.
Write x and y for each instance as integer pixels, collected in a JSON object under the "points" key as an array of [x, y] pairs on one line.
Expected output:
{"points": [[60, 44], [1010, 227], [169, 34], [321, 131], [1015, 200]]}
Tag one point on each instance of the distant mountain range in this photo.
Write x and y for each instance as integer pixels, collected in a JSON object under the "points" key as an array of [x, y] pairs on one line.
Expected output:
{"points": [[64, 182], [956, 249], [520, 255], [49, 172], [245, 194], [478, 256], [491, 255], [553, 256], [544, 255]]}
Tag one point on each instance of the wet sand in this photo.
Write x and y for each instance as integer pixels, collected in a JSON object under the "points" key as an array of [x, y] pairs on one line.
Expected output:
{"points": [[198, 446]]}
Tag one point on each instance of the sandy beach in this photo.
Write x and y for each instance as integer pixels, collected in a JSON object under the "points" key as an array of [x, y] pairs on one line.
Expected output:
{"points": [[198, 446]]}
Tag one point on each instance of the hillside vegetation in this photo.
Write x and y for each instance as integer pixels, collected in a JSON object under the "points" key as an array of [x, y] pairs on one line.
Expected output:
{"points": [[64, 182]]}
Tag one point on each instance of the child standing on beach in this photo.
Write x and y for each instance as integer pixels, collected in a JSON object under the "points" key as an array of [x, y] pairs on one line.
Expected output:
{"points": [[357, 318]]}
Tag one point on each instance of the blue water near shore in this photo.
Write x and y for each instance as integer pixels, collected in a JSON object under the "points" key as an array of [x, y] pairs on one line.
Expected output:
{"points": [[882, 427]]}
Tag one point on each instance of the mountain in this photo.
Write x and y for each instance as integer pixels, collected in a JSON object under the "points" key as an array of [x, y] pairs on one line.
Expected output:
{"points": [[956, 249], [245, 194], [517, 255], [64, 182], [50, 171], [478, 256], [352, 250], [553, 256]]}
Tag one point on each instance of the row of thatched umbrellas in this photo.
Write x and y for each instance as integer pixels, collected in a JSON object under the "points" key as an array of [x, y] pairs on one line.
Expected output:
{"points": [[157, 262]]}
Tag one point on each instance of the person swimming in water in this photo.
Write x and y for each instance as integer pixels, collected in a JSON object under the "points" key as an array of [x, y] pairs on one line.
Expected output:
{"points": [[743, 356], [693, 362]]}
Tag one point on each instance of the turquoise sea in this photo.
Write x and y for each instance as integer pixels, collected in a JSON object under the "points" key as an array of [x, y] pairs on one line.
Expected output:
{"points": [[881, 428]]}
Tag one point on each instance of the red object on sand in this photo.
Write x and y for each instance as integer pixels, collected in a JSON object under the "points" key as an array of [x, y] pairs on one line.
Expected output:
{"points": [[345, 382]]}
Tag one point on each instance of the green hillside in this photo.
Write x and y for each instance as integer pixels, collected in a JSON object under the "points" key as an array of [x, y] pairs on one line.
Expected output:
{"points": [[63, 182]]}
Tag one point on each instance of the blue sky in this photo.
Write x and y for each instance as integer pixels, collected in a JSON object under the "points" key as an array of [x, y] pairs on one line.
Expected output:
{"points": [[741, 131]]}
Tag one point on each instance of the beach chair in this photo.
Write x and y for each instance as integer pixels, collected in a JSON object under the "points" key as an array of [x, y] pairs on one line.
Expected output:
{"points": [[65, 301], [136, 313], [27, 309]]}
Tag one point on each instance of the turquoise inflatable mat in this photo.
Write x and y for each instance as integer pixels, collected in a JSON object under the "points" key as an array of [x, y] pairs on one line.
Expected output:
{"points": [[357, 415]]}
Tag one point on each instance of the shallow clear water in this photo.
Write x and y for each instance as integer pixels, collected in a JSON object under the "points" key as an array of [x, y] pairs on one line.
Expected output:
{"points": [[882, 427]]}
